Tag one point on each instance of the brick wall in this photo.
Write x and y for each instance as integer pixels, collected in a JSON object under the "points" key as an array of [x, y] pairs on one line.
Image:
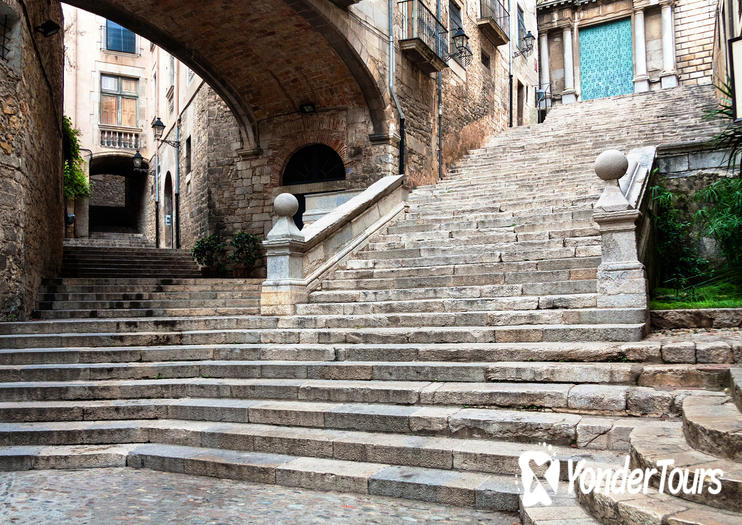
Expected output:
{"points": [[31, 207], [694, 40]]}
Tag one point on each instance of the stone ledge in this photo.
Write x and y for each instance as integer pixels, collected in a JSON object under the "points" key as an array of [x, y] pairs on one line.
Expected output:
{"points": [[697, 318]]}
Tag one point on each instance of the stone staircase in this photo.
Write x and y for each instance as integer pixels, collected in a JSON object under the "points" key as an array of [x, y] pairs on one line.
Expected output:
{"points": [[461, 336], [111, 240]]}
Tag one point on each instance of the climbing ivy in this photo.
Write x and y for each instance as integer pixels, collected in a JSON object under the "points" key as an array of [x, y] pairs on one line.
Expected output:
{"points": [[76, 184]]}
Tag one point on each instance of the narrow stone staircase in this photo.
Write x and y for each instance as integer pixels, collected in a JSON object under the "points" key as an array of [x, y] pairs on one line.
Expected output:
{"points": [[460, 337]]}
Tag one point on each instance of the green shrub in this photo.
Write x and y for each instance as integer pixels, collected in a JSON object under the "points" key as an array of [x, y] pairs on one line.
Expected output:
{"points": [[210, 252], [721, 216], [678, 261], [731, 137], [76, 184], [246, 250]]}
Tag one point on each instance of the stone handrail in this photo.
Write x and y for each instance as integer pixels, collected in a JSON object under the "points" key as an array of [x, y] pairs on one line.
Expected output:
{"points": [[298, 260], [622, 280]]}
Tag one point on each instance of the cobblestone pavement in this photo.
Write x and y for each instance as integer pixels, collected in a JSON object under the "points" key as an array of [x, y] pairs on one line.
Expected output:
{"points": [[119, 495]]}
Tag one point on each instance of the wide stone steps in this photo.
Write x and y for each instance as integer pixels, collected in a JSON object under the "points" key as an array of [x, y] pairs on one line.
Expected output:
{"points": [[431, 334], [602, 399], [651, 375], [249, 307], [503, 234], [594, 432], [529, 281], [455, 353], [187, 297], [490, 242], [481, 490], [487, 303], [462, 455]]}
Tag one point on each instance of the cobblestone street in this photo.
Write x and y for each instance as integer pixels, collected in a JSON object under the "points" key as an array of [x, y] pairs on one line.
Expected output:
{"points": [[116, 495]]}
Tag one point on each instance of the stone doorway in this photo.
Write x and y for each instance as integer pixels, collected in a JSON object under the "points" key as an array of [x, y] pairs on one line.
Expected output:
{"points": [[117, 194], [168, 210]]}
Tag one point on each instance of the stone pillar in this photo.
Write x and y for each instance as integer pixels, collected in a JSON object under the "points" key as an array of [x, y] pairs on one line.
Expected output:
{"points": [[568, 95], [641, 79], [543, 48], [668, 77], [622, 281], [284, 251]]}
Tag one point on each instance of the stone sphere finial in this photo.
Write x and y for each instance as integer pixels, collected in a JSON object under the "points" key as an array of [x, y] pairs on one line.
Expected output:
{"points": [[611, 165], [285, 205]]}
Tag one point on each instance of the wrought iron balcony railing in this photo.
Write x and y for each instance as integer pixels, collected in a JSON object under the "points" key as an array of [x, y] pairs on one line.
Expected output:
{"points": [[424, 37], [495, 11]]}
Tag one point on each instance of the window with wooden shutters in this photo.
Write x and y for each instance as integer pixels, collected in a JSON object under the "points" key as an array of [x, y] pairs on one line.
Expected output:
{"points": [[118, 101], [454, 23]]}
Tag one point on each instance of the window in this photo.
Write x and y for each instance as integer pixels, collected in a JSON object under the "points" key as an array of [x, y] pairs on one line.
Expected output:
{"points": [[118, 101], [485, 60], [171, 70], [188, 155], [521, 28], [5, 27], [314, 163], [119, 38], [454, 22]]}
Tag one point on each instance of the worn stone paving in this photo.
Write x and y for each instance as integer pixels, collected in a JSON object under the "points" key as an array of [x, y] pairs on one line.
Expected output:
{"points": [[120, 495]]}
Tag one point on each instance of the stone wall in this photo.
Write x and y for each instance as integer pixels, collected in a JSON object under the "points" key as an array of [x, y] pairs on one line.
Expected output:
{"points": [[694, 40], [108, 190], [31, 202]]}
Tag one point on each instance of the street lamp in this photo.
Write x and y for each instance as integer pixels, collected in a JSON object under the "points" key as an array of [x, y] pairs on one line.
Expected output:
{"points": [[137, 160], [527, 46], [158, 128], [461, 43]]}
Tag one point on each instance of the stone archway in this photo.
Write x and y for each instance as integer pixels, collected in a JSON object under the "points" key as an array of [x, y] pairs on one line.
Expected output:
{"points": [[264, 58], [117, 195]]}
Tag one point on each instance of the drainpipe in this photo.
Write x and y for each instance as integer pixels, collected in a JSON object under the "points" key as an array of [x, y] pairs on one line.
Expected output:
{"points": [[440, 101], [510, 63], [157, 195], [402, 141], [176, 218]]}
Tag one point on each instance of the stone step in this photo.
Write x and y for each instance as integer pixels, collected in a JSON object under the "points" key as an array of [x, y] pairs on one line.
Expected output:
{"points": [[515, 426], [453, 353], [713, 425], [583, 398], [144, 303], [491, 242], [486, 318], [666, 442], [652, 508], [110, 313], [474, 489], [569, 292], [444, 453], [462, 279], [469, 334], [165, 298], [491, 304], [712, 377]]}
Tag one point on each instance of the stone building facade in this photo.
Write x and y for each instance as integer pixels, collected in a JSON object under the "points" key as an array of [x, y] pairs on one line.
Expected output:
{"points": [[225, 187], [31, 204], [606, 48]]}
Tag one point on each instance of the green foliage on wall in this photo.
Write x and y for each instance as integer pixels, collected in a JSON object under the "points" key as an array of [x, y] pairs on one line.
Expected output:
{"points": [[76, 184]]}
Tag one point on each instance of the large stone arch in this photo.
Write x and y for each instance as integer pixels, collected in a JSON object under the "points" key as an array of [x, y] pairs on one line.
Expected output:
{"points": [[263, 57]]}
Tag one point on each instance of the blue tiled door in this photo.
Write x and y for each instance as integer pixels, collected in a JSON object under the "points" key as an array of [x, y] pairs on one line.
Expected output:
{"points": [[606, 60]]}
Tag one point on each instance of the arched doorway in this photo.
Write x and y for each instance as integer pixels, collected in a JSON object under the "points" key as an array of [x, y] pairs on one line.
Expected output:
{"points": [[117, 194], [310, 164], [168, 210]]}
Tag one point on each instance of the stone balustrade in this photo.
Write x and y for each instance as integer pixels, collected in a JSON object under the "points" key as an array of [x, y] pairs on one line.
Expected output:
{"points": [[297, 260], [622, 279]]}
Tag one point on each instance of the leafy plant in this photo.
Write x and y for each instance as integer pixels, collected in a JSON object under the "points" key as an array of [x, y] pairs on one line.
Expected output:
{"points": [[246, 250], [76, 184], [210, 251], [678, 261], [731, 137], [721, 216]]}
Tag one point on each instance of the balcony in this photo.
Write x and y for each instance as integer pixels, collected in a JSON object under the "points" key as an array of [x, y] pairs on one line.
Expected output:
{"points": [[424, 39], [494, 22], [118, 139]]}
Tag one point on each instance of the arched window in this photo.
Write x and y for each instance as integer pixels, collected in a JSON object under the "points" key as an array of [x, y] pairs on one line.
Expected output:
{"points": [[314, 163]]}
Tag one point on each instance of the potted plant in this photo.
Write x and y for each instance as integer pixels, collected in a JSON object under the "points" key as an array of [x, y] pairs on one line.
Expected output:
{"points": [[246, 252], [210, 253]]}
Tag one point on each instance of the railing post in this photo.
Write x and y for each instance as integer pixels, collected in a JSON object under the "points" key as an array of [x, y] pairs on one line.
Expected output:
{"points": [[622, 281], [284, 252]]}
